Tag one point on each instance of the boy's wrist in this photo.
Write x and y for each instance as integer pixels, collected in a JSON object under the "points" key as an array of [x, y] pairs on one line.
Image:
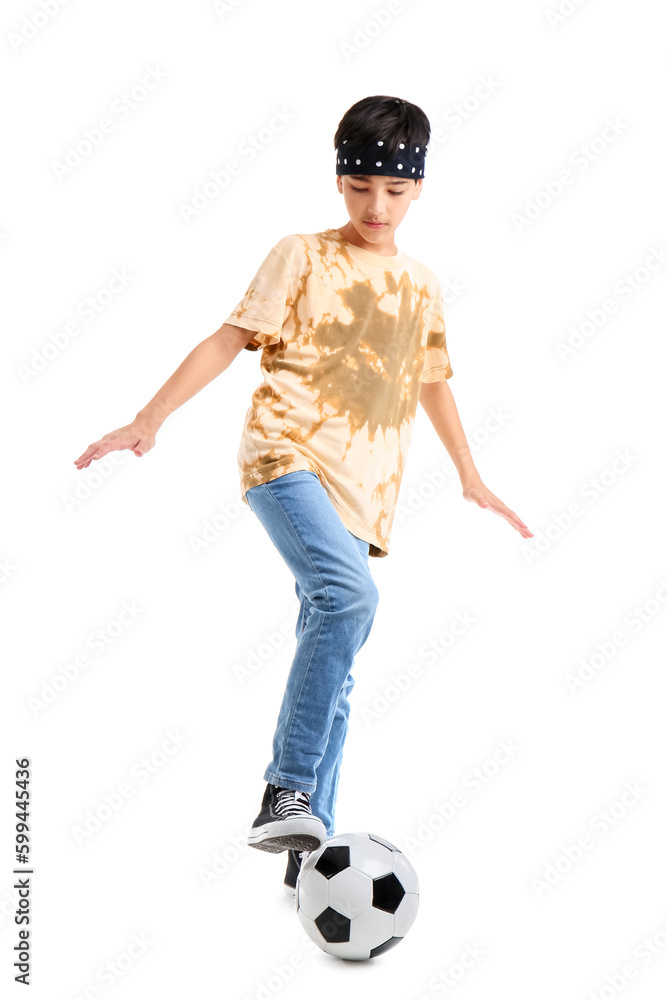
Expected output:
{"points": [[466, 469], [152, 418], [470, 479]]}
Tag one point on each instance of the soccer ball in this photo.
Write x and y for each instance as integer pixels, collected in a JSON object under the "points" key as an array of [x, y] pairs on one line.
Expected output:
{"points": [[357, 895]]}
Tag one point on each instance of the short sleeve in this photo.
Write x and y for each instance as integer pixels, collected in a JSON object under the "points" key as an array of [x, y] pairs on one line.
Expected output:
{"points": [[266, 303], [436, 360]]}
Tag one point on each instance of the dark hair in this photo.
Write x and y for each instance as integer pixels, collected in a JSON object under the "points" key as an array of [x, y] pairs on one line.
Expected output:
{"points": [[388, 118]]}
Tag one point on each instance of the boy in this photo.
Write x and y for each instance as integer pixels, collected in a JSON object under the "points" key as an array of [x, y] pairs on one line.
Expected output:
{"points": [[353, 337]]}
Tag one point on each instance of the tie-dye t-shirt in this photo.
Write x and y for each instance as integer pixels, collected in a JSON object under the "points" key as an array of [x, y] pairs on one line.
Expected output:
{"points": [[347, 337]]}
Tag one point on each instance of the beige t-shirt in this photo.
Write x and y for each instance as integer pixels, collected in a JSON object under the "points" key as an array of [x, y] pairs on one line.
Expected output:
{"points": [[347, 336]]}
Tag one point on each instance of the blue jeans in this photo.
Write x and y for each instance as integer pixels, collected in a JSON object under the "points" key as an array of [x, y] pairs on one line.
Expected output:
{"points": [[338, 599]]}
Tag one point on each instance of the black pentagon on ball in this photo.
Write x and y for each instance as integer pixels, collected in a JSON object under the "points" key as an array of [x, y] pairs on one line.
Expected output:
{"points": [[333, 860], [387, 893], [385, 946], [381, 840], [333, 926]]}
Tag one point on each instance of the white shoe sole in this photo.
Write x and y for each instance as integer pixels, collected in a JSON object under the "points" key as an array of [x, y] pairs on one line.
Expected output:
{"points": [[299, 834]]}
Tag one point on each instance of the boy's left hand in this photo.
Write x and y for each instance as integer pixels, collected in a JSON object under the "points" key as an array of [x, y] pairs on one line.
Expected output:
{"points": [[478, 493]]}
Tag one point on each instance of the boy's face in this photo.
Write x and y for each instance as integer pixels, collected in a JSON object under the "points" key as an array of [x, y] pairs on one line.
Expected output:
{"points": [[377, 198]]}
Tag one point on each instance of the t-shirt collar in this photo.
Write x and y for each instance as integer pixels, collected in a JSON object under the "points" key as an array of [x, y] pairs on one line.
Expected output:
{"points": [[379, 260]]}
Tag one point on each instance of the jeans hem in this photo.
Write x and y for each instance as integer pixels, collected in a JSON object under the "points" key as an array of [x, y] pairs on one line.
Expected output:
{"points": [[286, 782]]}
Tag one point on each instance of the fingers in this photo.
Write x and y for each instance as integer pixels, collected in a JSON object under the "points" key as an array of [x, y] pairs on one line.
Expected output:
{"points": [[101, 448], [498, 507], [517, 523], [92, 452], [84, 460]]}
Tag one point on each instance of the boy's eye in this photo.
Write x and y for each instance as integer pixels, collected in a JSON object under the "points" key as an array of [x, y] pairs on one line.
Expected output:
{"points": [[395, 193]]}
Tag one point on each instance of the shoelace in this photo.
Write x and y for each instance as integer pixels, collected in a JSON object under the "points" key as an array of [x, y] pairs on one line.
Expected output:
{"points": [[292, 803]]}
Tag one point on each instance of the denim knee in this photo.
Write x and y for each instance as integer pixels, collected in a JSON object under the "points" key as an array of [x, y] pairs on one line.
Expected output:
{"points": [[371, 596], [359, 598]]}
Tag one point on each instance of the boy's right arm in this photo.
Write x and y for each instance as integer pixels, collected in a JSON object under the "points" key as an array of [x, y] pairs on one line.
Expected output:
{"points": [[204, 363]]}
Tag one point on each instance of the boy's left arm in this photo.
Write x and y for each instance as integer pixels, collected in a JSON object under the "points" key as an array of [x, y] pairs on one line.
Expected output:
{"points": [[438, 402]]}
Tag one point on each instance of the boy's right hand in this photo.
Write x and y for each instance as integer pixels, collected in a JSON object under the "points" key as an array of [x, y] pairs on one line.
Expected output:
{"points": [[139, 437]]}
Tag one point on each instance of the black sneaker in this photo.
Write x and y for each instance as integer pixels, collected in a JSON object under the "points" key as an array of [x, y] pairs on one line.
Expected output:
{"points": [[285, 821], [294, 859]]}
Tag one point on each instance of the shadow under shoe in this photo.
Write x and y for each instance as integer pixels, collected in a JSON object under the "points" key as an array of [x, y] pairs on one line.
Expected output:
{"points": [[285, 822]]}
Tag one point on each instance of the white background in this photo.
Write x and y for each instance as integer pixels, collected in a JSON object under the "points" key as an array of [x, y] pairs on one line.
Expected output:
{"points": [[580, 431]]}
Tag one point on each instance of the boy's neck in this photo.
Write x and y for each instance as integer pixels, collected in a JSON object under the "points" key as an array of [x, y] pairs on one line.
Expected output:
{"points": [[349, 233]]}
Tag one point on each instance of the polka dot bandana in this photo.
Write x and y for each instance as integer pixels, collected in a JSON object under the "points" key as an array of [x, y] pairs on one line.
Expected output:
{"points": [[409, 160]]}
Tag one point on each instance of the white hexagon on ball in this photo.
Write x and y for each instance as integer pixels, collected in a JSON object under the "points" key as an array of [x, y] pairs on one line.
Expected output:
{"points": [[312, 930], [371, 857], [351, 952], [404, 872], [350, 892], [371, 929], [405, 914], [313, 895]]}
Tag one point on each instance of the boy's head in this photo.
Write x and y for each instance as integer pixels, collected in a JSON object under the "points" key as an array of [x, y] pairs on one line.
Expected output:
{"points": [[389, 137]]}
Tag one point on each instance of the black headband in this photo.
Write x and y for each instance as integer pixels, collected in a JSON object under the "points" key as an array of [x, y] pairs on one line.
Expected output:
{"points": [[409, 160]]}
